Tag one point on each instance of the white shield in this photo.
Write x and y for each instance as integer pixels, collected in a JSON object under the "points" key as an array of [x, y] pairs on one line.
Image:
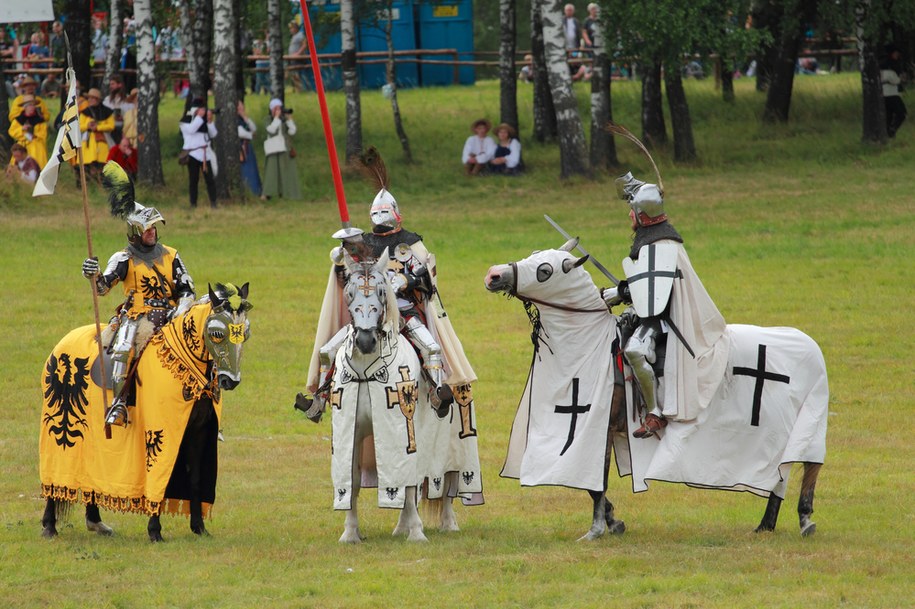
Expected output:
{"points": [[651, 277]]}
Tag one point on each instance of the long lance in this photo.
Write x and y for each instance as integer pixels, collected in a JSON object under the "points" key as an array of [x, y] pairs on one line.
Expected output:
{"points": [[325, 118], [584, 252], [92, 281]]}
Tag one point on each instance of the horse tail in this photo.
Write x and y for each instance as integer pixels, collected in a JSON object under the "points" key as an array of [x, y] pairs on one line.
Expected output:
{"points": [[430, 509]]}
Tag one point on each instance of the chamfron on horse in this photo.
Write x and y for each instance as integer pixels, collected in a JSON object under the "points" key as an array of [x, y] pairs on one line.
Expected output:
{"points": [[164, 459]]}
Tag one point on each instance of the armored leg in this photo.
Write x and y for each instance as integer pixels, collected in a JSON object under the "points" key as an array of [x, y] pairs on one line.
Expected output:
{"points": [[123, 344], [313, 404], [419, 335], [641, 353]]}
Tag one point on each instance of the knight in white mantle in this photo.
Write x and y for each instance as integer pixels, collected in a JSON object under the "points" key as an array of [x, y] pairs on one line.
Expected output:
{"points": [[673, 335]]}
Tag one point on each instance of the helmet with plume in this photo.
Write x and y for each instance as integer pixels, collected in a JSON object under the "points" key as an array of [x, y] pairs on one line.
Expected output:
{"points": [[123, 205], [646, 200], [384, 211]]}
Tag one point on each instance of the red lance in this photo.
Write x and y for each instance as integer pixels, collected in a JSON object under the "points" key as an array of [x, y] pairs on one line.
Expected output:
{"points": [[325, 118]]}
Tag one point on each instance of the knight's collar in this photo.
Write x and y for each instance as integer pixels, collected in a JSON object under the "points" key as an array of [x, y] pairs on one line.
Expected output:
{"points": [[150, 255]]}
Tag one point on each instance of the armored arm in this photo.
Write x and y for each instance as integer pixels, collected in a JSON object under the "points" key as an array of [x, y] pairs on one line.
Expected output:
{"points": [[115, 271]]}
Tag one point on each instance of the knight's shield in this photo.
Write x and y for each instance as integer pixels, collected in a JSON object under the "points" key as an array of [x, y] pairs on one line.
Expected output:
{"points": [[651, 277]]}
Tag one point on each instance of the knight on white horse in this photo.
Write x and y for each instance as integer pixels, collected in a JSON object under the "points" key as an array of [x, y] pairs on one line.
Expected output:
{"points": [[673, 334]]}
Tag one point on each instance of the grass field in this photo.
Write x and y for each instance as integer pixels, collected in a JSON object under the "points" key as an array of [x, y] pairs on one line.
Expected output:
{"points": [[797, 225]]}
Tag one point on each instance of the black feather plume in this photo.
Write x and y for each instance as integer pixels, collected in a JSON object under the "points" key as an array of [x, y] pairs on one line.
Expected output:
{"points": [[120, 189], [371, 165]]}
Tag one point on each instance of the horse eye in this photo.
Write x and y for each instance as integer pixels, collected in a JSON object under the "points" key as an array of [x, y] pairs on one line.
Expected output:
{"points": [[544, 272], [217, 336]]}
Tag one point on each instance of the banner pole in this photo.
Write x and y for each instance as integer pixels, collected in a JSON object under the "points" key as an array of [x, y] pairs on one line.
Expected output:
{"points": [[325, 118], [98, 325]]}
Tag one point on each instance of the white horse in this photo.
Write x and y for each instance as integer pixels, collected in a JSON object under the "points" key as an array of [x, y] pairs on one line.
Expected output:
{"points": [[769, 411], [385, 429]]}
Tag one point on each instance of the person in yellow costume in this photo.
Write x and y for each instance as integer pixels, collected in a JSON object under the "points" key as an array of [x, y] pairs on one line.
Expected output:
{"points": [[28, 86], [155, 282], [96, 122], [29, 129]]}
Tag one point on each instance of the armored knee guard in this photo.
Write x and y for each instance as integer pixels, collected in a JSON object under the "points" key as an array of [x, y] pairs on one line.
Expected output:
{"points": [[433, 365], [120, 356], [640, 353]]}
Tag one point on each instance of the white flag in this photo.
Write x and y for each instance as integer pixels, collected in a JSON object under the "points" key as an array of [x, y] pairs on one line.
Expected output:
{"points": [[68, 140]]}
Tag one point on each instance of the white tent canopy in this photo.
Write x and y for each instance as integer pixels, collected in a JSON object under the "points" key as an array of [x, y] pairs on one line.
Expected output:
{"points": [[19, 12]]}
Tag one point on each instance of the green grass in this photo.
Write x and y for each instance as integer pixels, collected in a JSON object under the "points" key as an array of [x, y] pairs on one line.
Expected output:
{"points": [[797, 225]]}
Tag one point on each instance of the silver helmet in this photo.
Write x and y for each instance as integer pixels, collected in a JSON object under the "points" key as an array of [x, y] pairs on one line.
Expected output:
{"points": [[646, 200], [384, 210], [142, 219]]}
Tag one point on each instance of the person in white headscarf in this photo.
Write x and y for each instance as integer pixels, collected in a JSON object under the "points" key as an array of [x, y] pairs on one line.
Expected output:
{"points": [[280, 176]]}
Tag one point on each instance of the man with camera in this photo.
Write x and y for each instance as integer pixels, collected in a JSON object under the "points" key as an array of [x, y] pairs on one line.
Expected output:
{"points": [[199, 130]]}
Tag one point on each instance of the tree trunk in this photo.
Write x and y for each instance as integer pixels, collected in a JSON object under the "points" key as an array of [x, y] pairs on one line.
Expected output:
{"points": [[77, 28], [795, 13], [572, 150], [766, 17], [544, 113], [603, 148], [654, 131], [681, 124], [873, 124], [190, 47], [115, 41], [149, 158], [391, 77], [727, 80], [508, 81], [198, 63], [227, 144], [241, 50], [350, 80], [275, 42]]}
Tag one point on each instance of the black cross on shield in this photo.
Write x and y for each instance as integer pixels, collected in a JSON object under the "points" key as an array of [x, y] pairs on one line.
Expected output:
{"points": [[761, 375], [574, 409], [650, 275]]}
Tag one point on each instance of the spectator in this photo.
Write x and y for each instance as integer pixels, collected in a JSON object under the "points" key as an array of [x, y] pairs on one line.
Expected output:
{"points": [[129, 114], [527, 70], [889, 78], [96, 122], [280, 176], [98, 45], [50, 86], [246, 129], [57, 43], [591, 22], [29, 129], [38, 50], [116, 98], [125, 155], [198, 130], [507, 158], [27, 86], [478, 148], [22, 166], [298, 47], [261, 69], [571, 28]]}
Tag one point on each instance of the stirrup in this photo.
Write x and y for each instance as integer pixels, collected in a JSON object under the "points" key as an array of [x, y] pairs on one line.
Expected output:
{"points": [[117, 414], [652, 425], [442, 398]]}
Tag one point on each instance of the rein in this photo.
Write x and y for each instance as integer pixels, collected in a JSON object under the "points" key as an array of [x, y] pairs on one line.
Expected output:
{"points": [[524, 298]]}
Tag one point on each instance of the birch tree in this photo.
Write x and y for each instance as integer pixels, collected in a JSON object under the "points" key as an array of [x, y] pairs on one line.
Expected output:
{"points": [[391, 78], [196, 35], [572, 150], [149, 159], [275, 42], [508, 81], [544, 112], [603, 148], [225, 43], [350, 80], [115, 41]]}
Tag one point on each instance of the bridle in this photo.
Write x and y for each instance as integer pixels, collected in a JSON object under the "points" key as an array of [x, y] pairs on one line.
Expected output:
{"points": [[513, 291]]}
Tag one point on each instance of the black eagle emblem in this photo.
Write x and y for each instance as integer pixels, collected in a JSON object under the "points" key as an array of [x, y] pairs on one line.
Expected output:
{"points": [[154, 287], [154, 442], [65, 398]]}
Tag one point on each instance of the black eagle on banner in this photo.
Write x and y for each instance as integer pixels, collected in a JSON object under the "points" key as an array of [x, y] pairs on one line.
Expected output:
{"points": [[65, 398]]}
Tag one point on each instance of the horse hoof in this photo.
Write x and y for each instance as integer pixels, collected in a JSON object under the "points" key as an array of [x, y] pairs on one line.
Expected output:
{"points": [[449, 527], [764, 528], [617, 527], [156, 537], [352, 537], [49, 532], [591, 535], [809, 529], [100, 527], [201, 531], [417, 537]]}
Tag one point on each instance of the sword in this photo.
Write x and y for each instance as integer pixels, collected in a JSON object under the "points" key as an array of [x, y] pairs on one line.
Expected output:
{"points": [[600, 267]]}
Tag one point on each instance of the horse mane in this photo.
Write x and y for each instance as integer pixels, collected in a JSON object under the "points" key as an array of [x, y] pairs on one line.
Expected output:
{"points": [[391, 310]]}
